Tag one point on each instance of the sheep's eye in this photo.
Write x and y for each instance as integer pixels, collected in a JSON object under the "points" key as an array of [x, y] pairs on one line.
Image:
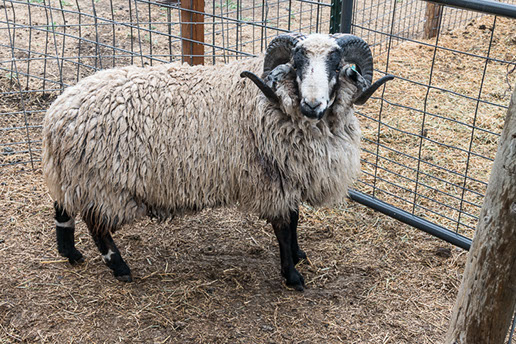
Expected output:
{"points": [[334, 61], [300, 53]]}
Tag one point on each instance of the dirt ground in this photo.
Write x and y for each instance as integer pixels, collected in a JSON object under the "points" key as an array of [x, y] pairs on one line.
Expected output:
{"points": [[214, 278]]}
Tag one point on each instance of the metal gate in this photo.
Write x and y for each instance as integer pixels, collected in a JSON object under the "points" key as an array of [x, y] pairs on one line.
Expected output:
{"points": [[437, 179], [429, 137]]}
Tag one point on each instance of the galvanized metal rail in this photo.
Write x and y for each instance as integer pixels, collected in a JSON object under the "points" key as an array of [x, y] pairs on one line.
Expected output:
{"points": [[484, 6], [346, 25]]}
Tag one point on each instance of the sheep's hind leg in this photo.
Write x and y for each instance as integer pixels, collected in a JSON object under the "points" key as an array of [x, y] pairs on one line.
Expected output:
{"points": [[65, 229], [107, 247], [283, 232]]}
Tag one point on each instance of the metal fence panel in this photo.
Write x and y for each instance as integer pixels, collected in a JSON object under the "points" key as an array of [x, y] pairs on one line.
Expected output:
{"points": [[430, 140], [429, 137]]}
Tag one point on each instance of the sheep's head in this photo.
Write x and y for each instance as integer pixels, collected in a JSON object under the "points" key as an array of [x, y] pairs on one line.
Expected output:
{"points": [[318, 65]]}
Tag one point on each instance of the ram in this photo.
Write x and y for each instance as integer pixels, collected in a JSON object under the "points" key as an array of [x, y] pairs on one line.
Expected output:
{"points": [[172, 139]]}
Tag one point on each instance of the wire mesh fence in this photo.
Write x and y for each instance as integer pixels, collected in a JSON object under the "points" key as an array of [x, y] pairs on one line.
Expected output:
{"points": [[429, 139], [404, 20], [46, 45]]}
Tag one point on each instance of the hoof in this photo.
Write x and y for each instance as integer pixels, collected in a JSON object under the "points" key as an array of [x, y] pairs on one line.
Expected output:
{"points": [[297, 287], [124, 278], [296, 281], [76, 261], [74, 258]]}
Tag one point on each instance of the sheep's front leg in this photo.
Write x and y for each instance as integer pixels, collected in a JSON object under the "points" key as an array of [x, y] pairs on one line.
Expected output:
{"points": [[297, 253], [284, 234], [107, 247]]}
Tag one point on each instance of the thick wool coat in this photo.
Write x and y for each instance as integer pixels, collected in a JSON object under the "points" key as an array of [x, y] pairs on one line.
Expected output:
{"points": [[172, 139]]}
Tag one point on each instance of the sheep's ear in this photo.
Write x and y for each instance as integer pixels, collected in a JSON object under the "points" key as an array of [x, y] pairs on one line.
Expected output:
{"points": [[351, 74], [264, 87], [279, 73]]}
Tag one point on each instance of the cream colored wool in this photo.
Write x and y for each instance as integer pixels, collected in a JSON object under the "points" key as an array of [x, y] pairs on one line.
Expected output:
{"points": [[172, 139]]}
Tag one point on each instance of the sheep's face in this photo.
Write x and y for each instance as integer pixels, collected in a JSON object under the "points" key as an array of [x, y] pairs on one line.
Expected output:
{"points": [[308, 71], [317, 62]]}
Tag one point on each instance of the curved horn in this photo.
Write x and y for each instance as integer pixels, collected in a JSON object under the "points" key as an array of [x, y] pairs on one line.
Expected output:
{"points": [[356, 51], [267, 91], [371, 89], [279, 51]]}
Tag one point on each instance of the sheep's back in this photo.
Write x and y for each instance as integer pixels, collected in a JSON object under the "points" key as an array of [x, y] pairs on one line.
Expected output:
{"points": [[131, 140], [173, 139]]}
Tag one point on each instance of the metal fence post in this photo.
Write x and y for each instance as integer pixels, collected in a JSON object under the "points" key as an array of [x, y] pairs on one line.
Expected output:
{"points": [[346, 16], [335, 16]]}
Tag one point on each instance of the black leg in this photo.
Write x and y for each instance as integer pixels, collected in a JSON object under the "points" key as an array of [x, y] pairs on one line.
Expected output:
{"points": [[283, 232], [297, 253], [65, 229], [107, 247]]}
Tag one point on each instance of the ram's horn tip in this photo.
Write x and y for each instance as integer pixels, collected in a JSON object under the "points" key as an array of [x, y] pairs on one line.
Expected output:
{"points": [[267, 91]]}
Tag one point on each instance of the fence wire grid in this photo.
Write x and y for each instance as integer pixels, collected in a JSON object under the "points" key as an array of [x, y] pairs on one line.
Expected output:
{"points": [[429, 137], [47, 45], [430, 141], [373, 19]]}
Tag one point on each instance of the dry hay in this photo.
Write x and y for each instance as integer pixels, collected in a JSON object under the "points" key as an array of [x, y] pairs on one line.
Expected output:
{"points": [[449, 117], [214, 277]]}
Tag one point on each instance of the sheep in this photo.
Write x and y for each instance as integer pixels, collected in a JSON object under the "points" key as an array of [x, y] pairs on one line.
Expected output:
{"points": [[173, 139]]}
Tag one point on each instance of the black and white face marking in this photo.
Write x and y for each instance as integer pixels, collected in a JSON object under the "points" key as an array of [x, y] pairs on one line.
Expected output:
{"points": [[333, 67], [317, 61]]}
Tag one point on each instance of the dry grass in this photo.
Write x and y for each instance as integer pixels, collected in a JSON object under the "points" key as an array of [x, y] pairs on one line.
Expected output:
{"points": [[444, 119], [214, 277]]}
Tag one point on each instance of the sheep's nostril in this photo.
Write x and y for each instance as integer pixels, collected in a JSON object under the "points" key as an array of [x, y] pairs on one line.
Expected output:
{"points": [[315, 109], [313, 105]]}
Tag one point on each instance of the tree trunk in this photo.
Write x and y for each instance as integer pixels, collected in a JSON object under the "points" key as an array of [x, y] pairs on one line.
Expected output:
{"points": [[487, 296]]}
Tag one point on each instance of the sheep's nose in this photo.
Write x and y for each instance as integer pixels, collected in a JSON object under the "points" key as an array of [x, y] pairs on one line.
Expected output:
{"points": [[313, 104], [313, 109]]}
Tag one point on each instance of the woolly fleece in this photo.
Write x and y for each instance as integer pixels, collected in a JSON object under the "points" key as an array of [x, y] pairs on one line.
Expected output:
{"points": [[172, 139]]}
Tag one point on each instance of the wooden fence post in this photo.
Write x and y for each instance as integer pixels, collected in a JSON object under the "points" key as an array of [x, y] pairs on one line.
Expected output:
{"points": [[192, 29], [487, 296], [433, 18]]}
